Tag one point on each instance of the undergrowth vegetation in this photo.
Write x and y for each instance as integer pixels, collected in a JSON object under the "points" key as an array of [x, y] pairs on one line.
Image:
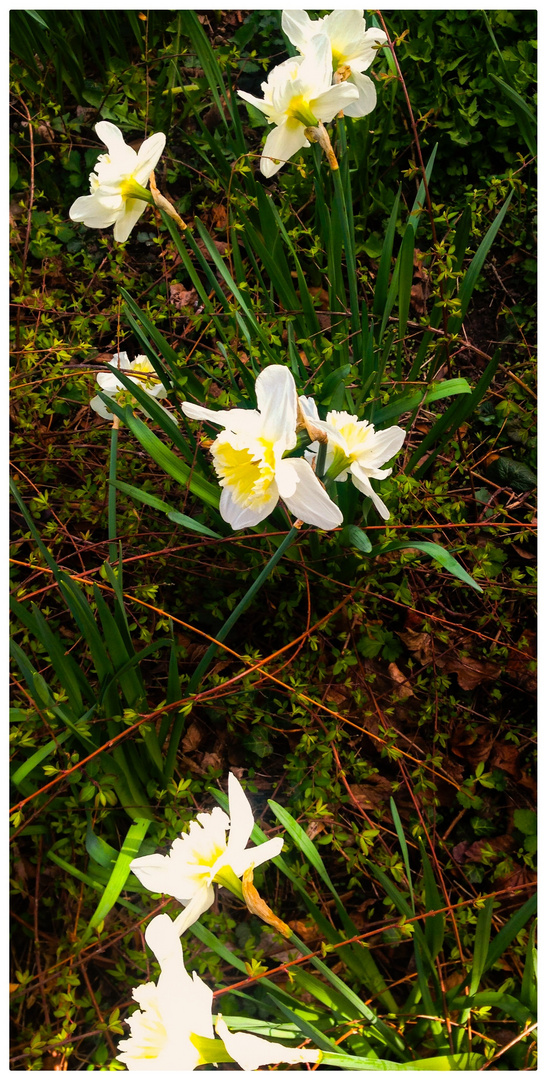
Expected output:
{"points": [[376, 696]]}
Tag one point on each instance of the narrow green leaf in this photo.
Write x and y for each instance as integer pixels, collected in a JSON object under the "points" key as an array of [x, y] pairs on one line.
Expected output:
{"points": [[435, 551], [497, 999], [190, 523], [404, 849], [406, 274], [308, 1030], [87, 880], [482, 939], [98, 850], [408, 402], [524, 117], [435, 924], [36, 759], [163, 456], [382, 278], [158, 504], [69, 675], [419, 201], [505, 936], [475, 267], [120, 873], [303, 842], [446, 1063], [454, 417], [529, 976]]}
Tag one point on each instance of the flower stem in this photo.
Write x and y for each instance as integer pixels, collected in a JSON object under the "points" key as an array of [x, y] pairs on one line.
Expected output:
{"points": [[320, 460], [340, 202], [320, 134], [220, 637], [112, 547]]}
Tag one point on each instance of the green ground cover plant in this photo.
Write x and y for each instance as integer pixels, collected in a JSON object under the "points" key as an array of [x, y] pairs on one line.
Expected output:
{"points": [[355, 664]]}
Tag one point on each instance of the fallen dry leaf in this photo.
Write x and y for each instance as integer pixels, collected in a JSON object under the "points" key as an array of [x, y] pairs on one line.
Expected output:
{"points": [[505, 756], [470, 672], [472, 742], [420, 645], [181, 297], [221, 246], [403, 687], [303, 931], [466, 852], [314, 828], [219, 216], [192, 737], [373, 794]]}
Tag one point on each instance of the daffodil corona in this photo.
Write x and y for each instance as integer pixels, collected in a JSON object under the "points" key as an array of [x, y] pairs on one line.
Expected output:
{"points": [[203, 856], [352, 50], [118, 184], [299, 94], [248, 458]]}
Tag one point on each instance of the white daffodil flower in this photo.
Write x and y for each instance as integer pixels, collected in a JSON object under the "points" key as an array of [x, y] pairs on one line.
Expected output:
{"points": [[118, 184], [173, 1028], [248, 458], [203, 855], [353, 48], [145, 377], [171, 1012], [355, 447], [250, 1051], [299, 94]]}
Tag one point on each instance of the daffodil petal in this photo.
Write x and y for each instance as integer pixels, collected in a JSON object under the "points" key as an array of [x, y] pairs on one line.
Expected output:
{"points": [[201, 901], [298, 27], [363, 484], [133, 210], [241, 814], [310, 501], [342, 25], [275, 390], [244, 517], [156, 873], [117, 146], [366, 101], [108, 382], [256, 856], [316, 68], [258, 103], [250, 1051], [90, 210], [100, 408], [161, 936], [335, 100], [281, 145], [236, 420], [148, 156]]}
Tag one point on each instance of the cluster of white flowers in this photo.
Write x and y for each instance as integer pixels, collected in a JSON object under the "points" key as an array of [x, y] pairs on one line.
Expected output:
{"points": [[253, 473], [173, 1027], [327, 78]]}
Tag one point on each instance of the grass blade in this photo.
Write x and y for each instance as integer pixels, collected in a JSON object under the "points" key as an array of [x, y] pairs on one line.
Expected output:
{"points": [[120, 873], [482, 939]]}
